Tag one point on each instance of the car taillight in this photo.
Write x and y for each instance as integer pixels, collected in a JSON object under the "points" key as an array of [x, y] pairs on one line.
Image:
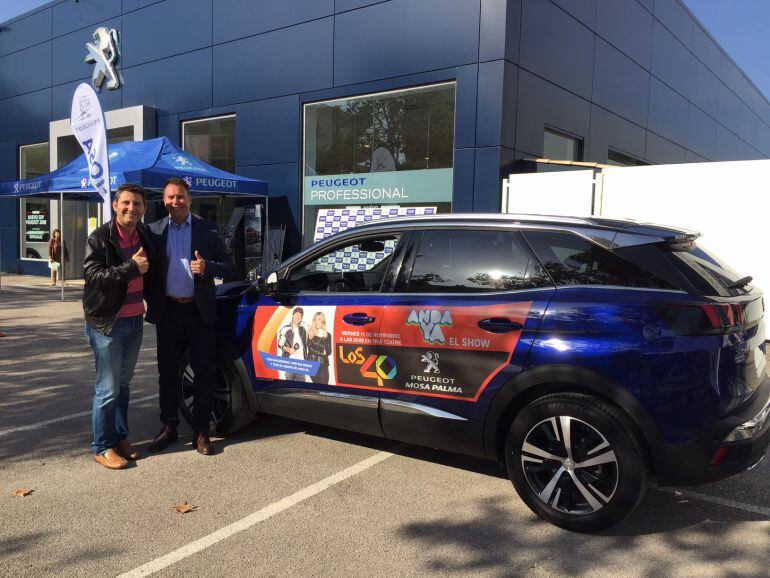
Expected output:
{"points": [[702, 319]]}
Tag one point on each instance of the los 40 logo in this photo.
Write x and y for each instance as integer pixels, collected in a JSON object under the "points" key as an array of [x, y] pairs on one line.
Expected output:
{"points": [[377, 367]]}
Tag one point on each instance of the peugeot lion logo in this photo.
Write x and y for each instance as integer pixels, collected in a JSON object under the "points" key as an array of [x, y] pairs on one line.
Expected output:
{"points": [[430, 359], [104, 54]]}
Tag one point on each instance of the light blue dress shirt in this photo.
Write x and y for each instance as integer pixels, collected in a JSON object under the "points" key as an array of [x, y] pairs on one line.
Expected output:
{"points": [[179, 278]]}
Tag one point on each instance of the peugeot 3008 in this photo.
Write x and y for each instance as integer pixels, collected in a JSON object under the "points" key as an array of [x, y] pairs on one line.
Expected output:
{"points": [[585, 354]]}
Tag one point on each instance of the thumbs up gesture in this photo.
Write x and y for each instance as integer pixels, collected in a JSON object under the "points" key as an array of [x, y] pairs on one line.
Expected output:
{"points": [[141, 261], [198, 265]]}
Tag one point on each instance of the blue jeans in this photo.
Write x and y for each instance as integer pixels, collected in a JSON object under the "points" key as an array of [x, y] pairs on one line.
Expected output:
{"points": [[115, 356]]}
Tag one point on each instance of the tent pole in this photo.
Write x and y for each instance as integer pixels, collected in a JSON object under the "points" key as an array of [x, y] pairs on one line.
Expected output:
{"points": [[62, 260]]}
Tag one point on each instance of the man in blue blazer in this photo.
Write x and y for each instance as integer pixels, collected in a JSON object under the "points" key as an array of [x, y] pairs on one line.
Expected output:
{"points": [[182, 305]]}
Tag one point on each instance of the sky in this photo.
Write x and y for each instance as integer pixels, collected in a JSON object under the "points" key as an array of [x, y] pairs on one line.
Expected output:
{"points": [[740, 26]]}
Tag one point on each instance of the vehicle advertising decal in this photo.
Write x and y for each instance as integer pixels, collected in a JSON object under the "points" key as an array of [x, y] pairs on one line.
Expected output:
{"points": [[425, 350]]}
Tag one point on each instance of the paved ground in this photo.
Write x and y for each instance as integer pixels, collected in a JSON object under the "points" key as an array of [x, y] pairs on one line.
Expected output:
{"points": [[287, 498]]}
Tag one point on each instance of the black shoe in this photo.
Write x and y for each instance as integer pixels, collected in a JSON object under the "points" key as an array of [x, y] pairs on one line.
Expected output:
{"points": [[166, 436], [202, 444]]}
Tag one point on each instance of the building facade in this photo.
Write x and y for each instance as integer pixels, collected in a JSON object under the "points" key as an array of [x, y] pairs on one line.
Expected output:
{"points": [[370, 105]]}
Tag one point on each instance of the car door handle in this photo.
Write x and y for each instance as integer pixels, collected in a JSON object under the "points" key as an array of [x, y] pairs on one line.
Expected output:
{"points": [[499, 325], [358, 319]]}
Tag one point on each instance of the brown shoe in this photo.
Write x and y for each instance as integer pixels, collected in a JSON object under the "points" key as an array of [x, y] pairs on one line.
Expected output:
{"points": [[161, 441], [127, 451], [202, 443], [111, 460]]}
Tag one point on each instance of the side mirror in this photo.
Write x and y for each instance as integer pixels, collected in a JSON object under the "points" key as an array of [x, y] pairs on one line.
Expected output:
{"points": [[270, 286]]}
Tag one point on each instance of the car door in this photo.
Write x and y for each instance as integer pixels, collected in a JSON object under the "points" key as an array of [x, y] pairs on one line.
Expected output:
{"points": [[316, 347], [465, 309]]}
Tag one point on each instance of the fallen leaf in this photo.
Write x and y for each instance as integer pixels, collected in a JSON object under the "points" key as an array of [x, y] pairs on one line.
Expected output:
{"points": [[183, 507], [21, 492]]}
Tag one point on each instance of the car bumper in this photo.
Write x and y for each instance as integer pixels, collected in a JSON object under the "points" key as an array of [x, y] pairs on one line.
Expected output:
{"points": [[710, 457]]}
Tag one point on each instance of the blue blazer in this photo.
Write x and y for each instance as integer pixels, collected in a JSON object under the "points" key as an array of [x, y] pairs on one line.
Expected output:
{"points": [[205, 239]]}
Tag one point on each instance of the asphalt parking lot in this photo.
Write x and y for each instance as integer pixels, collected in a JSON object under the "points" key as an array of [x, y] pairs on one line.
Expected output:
{"points": [[287, 498]]}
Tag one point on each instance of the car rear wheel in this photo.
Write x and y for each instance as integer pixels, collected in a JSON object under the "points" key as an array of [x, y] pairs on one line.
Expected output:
{"points": [[232, 410], [576, 461]]}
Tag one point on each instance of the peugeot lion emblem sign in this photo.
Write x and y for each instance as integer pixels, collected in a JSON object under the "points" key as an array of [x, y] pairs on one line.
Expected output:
{"points": [[104, 54]]}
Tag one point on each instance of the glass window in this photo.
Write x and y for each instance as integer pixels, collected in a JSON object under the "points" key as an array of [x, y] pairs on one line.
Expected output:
{"points": [[561, 147], [34, 214], [468, 261], [377, 156], [212, 140], [623, 160], [573, 260], [359, 266]]}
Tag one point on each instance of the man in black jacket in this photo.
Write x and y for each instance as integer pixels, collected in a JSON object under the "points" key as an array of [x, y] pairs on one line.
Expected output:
{"points": [[118, 256], [182, 304]]}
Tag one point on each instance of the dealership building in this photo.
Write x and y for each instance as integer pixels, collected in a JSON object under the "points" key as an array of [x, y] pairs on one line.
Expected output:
{"points": [[366, 106]]}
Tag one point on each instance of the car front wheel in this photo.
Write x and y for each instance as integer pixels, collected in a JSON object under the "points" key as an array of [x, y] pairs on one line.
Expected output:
{"points": [[576, 461]]}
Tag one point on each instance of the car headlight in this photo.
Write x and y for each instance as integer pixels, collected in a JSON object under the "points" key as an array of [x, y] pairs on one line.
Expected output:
{"points": [[749, 429]]}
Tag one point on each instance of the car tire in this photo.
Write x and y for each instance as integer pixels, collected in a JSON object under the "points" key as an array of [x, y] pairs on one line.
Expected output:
{"points": [[232, 409], [589, 487]]}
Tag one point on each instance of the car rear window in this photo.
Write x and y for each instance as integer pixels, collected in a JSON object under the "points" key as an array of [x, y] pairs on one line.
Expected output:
{"points": [[573, 260], [699, 270]]}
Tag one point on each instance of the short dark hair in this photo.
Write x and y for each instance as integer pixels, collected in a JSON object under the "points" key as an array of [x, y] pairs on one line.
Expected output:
{"points": [[131, 188], [179, 182], [298, 310]]}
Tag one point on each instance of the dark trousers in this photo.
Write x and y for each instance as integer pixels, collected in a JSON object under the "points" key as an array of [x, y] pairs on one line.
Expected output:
{"points": [[181, 328], [322, 376]]}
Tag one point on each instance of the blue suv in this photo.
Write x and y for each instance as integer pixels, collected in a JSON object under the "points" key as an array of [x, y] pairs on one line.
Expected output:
{"points": [[585, 354]]}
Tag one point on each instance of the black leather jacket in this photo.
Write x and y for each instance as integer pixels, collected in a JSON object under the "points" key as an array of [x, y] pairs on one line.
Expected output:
{"points": [[107, 275]]}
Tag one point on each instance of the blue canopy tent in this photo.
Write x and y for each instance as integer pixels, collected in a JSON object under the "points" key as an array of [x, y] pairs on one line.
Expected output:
{"points": [[149, 163]]}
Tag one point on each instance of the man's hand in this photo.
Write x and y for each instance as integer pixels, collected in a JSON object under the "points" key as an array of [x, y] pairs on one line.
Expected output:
{"points": [[141, 261], [198, 265]]}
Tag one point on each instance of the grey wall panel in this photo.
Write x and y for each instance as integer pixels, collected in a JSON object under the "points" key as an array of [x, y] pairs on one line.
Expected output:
{"points": [[169, 126], [671, 61], [764, 143], [510, 105], [691, 157], [611, 131], [345, 5], [26, 117], [131, 5], [728, 145], [545, 32], [705, 89], [648, 4], [662, 151], [706, 49], [668, 114], [25, 71], [149, 84], [499, 30], [268, 131], [62, 94], [237, 19], [674, 17], [464, 169], [749, 126], [147, 36], [628, 27], [730, 75], [428, 25], [69, 53], [728, 108], [701, 132], [542, 103], [26, 32], [620, 84], [9, 170], [286, 61], [583, 10], [492, 163], [69, 16], [496, 115], [465, 106]]}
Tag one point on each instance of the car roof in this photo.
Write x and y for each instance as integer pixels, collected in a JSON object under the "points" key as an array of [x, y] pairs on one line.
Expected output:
{"points": [[610, 233]]}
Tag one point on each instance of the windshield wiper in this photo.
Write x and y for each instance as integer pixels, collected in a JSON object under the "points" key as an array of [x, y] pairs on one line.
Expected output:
{"points": [[743, 281]]}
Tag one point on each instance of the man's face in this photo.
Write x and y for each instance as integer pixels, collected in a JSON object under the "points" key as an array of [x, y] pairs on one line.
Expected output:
{"points": [[177, 201], [129, 209], [297, 318]]}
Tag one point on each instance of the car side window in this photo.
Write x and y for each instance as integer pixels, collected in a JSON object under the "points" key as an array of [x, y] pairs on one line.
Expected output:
{"points": [[356, 267], [474, 261], [573, 260]]}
